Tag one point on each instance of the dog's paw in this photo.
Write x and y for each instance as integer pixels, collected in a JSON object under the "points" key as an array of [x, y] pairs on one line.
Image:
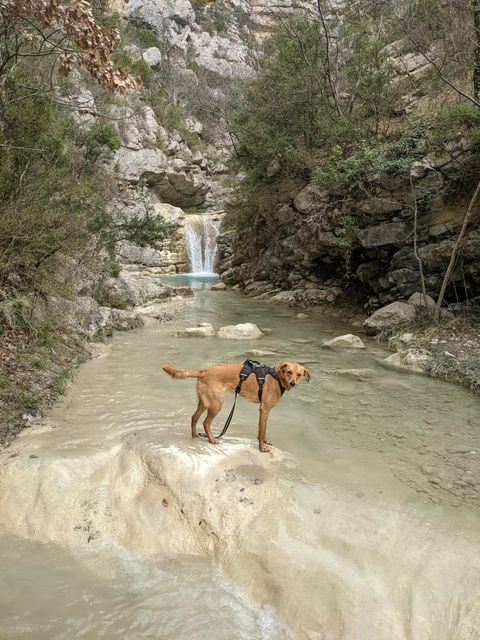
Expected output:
{"points": [[264, 448], [213, 441]]}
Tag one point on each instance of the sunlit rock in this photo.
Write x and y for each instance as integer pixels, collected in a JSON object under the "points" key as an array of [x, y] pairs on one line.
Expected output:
{"points": [[246, 331], [348, 341]]}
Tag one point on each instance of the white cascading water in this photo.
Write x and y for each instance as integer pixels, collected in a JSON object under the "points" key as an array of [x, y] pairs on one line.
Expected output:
{"points": [[200, 242]]}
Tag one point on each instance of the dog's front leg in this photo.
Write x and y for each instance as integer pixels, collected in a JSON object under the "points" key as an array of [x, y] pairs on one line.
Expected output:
{"points": [[262, 429]]}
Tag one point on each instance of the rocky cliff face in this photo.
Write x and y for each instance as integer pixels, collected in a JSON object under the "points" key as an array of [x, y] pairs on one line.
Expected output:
{"points": [[295, 251]]}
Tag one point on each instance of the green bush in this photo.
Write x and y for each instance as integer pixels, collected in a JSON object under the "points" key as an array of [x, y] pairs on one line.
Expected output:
{"points": [[343, 170], [99, 137], [454, 121], [146, 38], [124, 60]]}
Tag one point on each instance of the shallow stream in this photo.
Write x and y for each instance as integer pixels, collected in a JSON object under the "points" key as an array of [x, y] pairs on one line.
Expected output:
{"points": [[363, 523]]}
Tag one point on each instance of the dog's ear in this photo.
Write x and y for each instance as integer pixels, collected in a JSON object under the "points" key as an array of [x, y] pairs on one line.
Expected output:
{"points": [[283, 366], [307, 374]]}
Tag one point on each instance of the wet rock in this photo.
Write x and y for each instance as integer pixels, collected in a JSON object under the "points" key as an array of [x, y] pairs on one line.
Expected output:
{"points": [[258, 353], [301, 316], [349, 341], [389, 317], [197, 332], [359, 374], [220, 286], [246, 331], [415, 360], [185, 292]]}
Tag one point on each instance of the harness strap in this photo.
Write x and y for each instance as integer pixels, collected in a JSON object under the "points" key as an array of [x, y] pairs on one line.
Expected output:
{"points": [[261, 371]]}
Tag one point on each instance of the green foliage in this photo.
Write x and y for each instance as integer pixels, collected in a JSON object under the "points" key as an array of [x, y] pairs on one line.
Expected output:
{"points": [[123, 60], [346, 234], [342, 169], [284, 113], [100, 137], [216, 18], [349, 168], [144, 230], [47, 193], [146, 38], [454, 121]]}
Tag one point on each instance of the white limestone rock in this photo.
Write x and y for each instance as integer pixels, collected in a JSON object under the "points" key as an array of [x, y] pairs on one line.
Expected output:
{"points": [[152, 56], [348, 341], [205, 331], [246, 331]]}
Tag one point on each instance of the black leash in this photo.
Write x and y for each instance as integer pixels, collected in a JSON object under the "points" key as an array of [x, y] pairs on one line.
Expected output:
{"points": [[261, 371]]}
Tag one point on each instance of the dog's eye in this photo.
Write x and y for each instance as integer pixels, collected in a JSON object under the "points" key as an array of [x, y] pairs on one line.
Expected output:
{"points": [[289, 371]]}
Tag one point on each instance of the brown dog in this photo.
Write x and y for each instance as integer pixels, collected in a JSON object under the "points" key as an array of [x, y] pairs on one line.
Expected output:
{"points": [[215, 380]]}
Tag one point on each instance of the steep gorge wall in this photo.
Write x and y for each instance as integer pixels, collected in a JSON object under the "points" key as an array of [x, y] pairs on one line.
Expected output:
{"points": [[294, 249]]}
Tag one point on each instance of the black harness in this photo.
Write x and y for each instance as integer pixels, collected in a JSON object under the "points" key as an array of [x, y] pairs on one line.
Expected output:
{"points": [[261, 371]]}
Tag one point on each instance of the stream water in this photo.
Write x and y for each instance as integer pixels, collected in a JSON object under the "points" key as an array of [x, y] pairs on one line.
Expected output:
{"points": [[363, 523]]}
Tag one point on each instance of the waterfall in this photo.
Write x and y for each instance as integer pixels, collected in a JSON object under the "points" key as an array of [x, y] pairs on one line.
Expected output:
{"points": [[200, 242]]}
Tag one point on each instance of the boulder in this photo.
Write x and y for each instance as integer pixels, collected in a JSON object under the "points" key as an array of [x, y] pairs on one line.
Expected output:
{"points": [[185, 292], [348, 341], [285, 297], [246, 331], [83, 314], [389, 317], [205, 331], [418, 300], [382, 234], [379, 207], [310, 198], [152, 56], [220, 286], [131, 289], [133, 165], [415, 360]]}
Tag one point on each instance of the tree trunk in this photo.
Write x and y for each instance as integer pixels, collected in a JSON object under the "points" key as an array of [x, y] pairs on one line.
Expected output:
{"points": [[455, 250], [476, 61]]}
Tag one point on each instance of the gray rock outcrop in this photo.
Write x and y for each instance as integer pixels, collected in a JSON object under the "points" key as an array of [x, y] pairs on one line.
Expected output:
{"points": [[389, 317]]}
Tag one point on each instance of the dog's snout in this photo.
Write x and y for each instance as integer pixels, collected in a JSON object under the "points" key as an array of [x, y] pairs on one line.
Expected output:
{"points": [[292, 383]]}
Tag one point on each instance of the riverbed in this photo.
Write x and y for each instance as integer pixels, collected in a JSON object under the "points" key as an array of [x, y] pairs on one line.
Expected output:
{"points": [[363, 523]]}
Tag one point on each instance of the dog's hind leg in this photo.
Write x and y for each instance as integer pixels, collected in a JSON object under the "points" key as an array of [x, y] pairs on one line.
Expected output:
{"points": [[213, 410], [200, 409]]}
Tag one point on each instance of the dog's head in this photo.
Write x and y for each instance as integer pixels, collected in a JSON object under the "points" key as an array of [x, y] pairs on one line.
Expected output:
{"points": [[290, 374]]}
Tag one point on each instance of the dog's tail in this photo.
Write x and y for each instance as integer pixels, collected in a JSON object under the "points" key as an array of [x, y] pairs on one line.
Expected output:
{"points": [[181, 374]]}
